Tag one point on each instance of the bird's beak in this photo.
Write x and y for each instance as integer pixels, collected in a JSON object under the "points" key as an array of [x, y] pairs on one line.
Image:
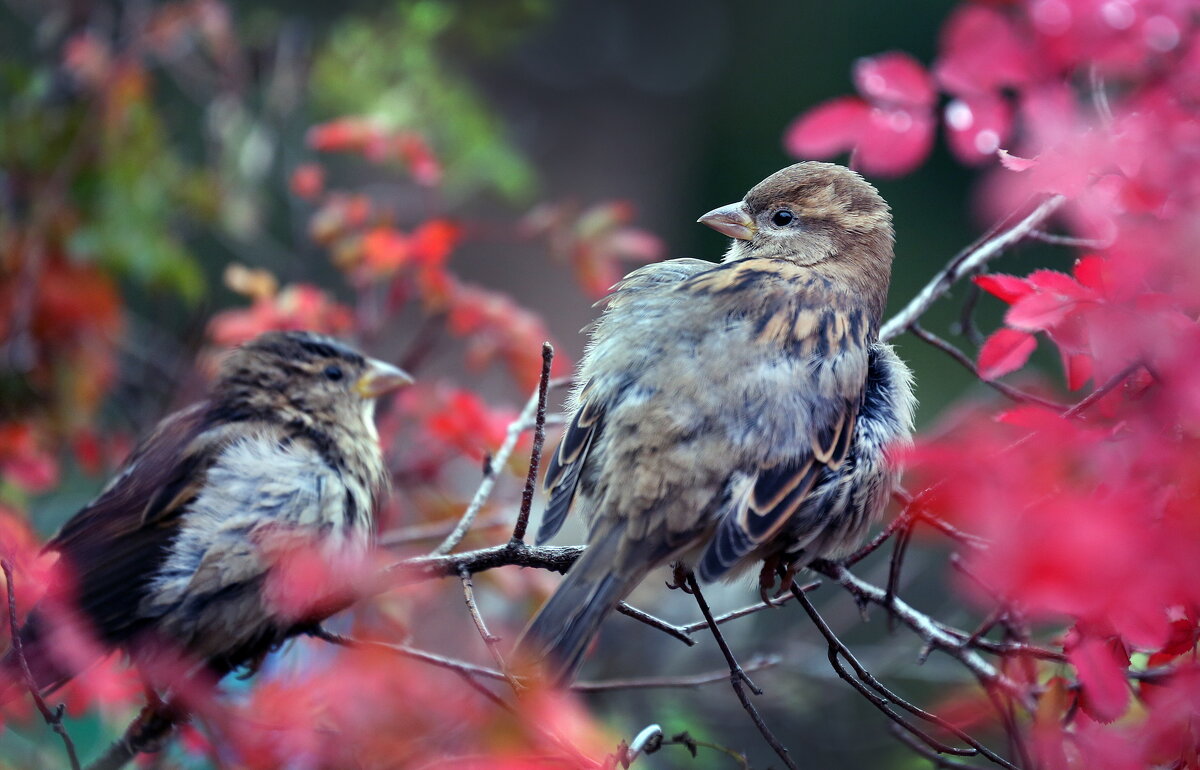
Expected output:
{"points": [[381, 378], [731, 220]]}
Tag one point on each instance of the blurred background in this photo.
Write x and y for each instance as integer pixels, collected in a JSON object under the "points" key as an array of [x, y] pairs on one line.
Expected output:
{"points": [[159, 143]]}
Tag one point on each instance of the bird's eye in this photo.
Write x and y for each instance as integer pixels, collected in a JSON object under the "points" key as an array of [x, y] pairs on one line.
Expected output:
{"points": [[334, 372], [782, 218]]}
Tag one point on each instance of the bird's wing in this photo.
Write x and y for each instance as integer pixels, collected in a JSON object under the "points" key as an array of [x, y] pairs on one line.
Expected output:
{"points": [[113, 546], [563, 472], [775, 496], [803, 318], [562, 475]]}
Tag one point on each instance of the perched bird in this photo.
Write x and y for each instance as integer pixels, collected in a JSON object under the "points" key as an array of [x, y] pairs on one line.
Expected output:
{"points": [[173, 554], [726, 414]]}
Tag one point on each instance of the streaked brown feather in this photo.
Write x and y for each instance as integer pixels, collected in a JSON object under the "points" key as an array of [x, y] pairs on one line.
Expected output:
{"points": [[113, 546]]}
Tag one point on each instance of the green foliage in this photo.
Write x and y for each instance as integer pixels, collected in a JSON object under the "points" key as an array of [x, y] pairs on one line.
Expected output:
{"points": [[392, 69]]}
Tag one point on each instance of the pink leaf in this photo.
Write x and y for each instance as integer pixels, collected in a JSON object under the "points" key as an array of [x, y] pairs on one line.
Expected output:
{"points": [[1105, 691], [1005, 351], [1091, 271], [827, 129], [1078, 368], [1053, 280], [981, 52], [976, 126], [1038, 312], [1009, 288], [894, 78], [1014, 162], [895, 141]]}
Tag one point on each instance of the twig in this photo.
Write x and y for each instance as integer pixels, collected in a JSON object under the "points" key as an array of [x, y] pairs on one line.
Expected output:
{"points": [[553, 558], [899, 549], [651, 740], [539, 437], [929, 630], [737, 676], [694, 680], [750, 610], [668, 628], [490, 640], [145, 733], [1102, 391], [967, 261], [966, 325], [515, 429], [1069, 240], [52, 717], [1015, 394], [939, 761], [882, 697], [417, 533]]}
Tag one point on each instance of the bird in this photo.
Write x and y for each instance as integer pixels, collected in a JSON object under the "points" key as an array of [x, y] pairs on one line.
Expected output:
{"points": [[174, 553], [732, 413]]}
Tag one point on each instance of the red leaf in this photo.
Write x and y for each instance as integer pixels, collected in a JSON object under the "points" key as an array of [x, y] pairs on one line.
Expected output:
{"points": [[1091, 271], [894, 78], [1009, 288], [976, 126], [827, 129], [1005, 351], [1105, 691], [307, 181], [1038, 312], [1054, 281], [895, 141], [1078, 367], [981, 51]]}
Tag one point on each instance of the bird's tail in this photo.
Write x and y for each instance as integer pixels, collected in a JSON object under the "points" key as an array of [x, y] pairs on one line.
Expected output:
{"points": [[557, 638]]}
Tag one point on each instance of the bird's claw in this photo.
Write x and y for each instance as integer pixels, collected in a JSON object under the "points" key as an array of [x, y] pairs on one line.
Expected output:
{"points": [[679, 578]]}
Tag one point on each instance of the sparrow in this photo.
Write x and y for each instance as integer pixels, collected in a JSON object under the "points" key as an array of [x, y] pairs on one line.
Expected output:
{"points": [[174, 554], [730, 413]]}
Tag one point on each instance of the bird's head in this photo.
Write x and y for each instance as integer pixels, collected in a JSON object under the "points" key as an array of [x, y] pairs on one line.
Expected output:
{"points": [[809, 213], [299, 375]]}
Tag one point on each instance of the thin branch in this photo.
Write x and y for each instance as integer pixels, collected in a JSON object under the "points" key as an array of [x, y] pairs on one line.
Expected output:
{"points": [[750, 610], [490, 640], [52, 717], [642, 616], [419, 533], [1069, 240], [145, 733], [539, 437], [1102, 391], [1015, 394], [737, 675], [515, 429], [882, 697], [555, 558], [967, 261], [659, 682], [929, 630], [651, 740]]}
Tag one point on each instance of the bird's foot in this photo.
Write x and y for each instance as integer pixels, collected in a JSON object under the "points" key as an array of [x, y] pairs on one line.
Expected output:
{"points": [[679, 577], [766, 581]]}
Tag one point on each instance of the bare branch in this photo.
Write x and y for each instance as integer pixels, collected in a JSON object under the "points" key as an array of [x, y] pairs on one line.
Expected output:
{"points": [[515, 429], [1015, 394], [883, 698], [737, 675], [539, 437], [966, 262], [52, 717], [694, 680], [490, 640]]}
